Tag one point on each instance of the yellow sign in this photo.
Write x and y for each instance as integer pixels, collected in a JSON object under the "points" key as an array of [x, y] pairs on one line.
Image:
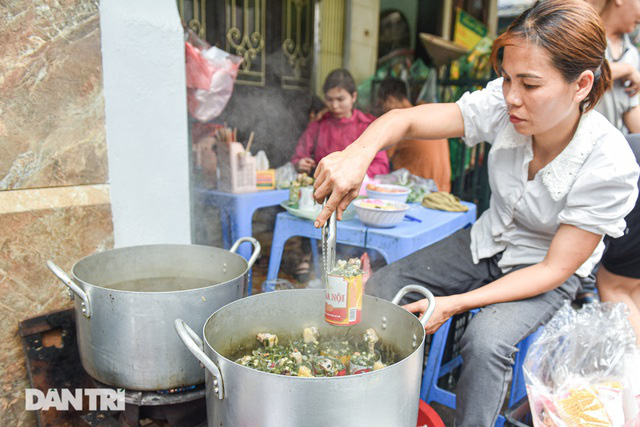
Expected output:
{"points": [[468, 30]]}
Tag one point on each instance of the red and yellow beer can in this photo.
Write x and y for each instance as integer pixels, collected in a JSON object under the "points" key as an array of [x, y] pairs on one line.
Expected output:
{"points": [[343, 300]]}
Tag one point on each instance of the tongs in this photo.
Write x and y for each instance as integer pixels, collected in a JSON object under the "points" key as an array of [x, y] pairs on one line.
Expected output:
{"points": [[329, 233]]}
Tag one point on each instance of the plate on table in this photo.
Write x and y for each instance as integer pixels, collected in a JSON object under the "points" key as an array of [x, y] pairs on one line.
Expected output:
{"points": [[312, 214]]}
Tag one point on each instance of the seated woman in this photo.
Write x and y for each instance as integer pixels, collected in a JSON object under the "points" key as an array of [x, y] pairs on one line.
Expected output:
{"points": [[337, 128], [561, 178], [428, 159]]}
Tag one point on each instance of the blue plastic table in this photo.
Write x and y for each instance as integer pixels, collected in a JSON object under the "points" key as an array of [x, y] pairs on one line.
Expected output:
{"points": [[393, 243], [236, 213]]}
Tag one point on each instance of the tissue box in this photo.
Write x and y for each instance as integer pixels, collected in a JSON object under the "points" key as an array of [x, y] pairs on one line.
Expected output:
{"points": [[266, 179]]}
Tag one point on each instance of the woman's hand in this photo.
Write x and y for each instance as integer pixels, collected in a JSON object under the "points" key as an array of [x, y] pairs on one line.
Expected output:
{"points": [[306, 165], [445, 308], [632, 82], [628, 74], [339, 177]]}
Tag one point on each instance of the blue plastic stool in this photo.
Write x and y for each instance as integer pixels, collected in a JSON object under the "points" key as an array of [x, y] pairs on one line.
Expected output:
{"points": [[435, 369]]}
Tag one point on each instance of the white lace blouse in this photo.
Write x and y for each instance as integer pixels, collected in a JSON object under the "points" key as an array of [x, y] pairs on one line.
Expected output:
{"points": [[591, 184]]}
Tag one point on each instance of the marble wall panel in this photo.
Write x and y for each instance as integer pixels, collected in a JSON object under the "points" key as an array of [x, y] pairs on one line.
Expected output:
{"points": [[28, 288], [52, 119], [52, 143]]}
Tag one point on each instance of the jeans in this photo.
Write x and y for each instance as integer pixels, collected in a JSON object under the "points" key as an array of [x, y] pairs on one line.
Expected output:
{"points": [[489, 343]]}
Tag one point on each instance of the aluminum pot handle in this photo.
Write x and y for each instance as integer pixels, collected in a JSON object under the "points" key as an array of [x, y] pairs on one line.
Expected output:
{"points": [[421, 290], [64, 278], [256, 249], [195, 346]]}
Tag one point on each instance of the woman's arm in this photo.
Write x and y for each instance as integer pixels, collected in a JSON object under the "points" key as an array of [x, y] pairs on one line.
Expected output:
{"points": [[570, 248], [340, 174], [626, 72], [631, 119]]}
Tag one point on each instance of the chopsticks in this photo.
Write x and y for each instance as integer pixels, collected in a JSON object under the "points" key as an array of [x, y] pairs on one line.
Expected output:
{"points": [[225, 134], [250, 142], [228, 135]]}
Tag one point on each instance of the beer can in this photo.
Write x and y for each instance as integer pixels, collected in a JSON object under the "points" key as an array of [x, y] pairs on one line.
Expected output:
{"points": [[343, 299]]}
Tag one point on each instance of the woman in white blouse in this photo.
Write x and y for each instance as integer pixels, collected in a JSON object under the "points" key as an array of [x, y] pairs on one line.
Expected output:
{"points": [[561, 178]]}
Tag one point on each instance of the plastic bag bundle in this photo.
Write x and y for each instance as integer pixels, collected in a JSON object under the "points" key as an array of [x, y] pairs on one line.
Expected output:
{"points": [[584, 369], [211, 74]]}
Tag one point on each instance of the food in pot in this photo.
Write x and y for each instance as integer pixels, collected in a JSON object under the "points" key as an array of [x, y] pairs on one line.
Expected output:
{"points": [[343, 294], [305, 371], [268, 340], [337, 348], [312, 356], [365, 362], [310, 335], [371, 338]]}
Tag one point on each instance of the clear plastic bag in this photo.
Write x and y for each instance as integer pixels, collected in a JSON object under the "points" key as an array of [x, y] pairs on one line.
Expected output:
{"points": [[285, 175], [262, 161], [583, 369]]}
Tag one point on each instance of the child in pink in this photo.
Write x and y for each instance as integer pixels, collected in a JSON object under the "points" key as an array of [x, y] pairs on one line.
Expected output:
{"points": [[337, 128]]}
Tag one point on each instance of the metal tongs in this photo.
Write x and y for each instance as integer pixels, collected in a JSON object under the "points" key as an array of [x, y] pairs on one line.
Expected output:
{"points": [[329, 233]]}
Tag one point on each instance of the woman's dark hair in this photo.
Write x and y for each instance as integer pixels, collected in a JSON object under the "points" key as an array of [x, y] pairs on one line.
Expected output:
{"points": [[572, 33], [316, 105], [392, 87], [340, 78]]}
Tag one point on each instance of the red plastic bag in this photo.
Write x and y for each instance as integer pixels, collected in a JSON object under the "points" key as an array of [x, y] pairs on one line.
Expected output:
{"points": [[211, 74], [199, 70]]}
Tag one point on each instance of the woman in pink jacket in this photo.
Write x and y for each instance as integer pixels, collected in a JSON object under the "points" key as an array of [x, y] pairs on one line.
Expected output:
{"points": [[337, 128]]}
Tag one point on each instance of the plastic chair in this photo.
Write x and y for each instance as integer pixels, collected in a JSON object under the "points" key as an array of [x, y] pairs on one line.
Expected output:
{"points": [[435, 369]]}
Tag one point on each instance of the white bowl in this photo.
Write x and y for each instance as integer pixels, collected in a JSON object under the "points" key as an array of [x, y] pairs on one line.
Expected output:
{"points": [[397, 196], [375, 217]]}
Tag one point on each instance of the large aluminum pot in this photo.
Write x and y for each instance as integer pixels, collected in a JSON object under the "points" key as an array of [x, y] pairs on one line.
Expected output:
{"points": [[126, 337], [241, 396]]}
